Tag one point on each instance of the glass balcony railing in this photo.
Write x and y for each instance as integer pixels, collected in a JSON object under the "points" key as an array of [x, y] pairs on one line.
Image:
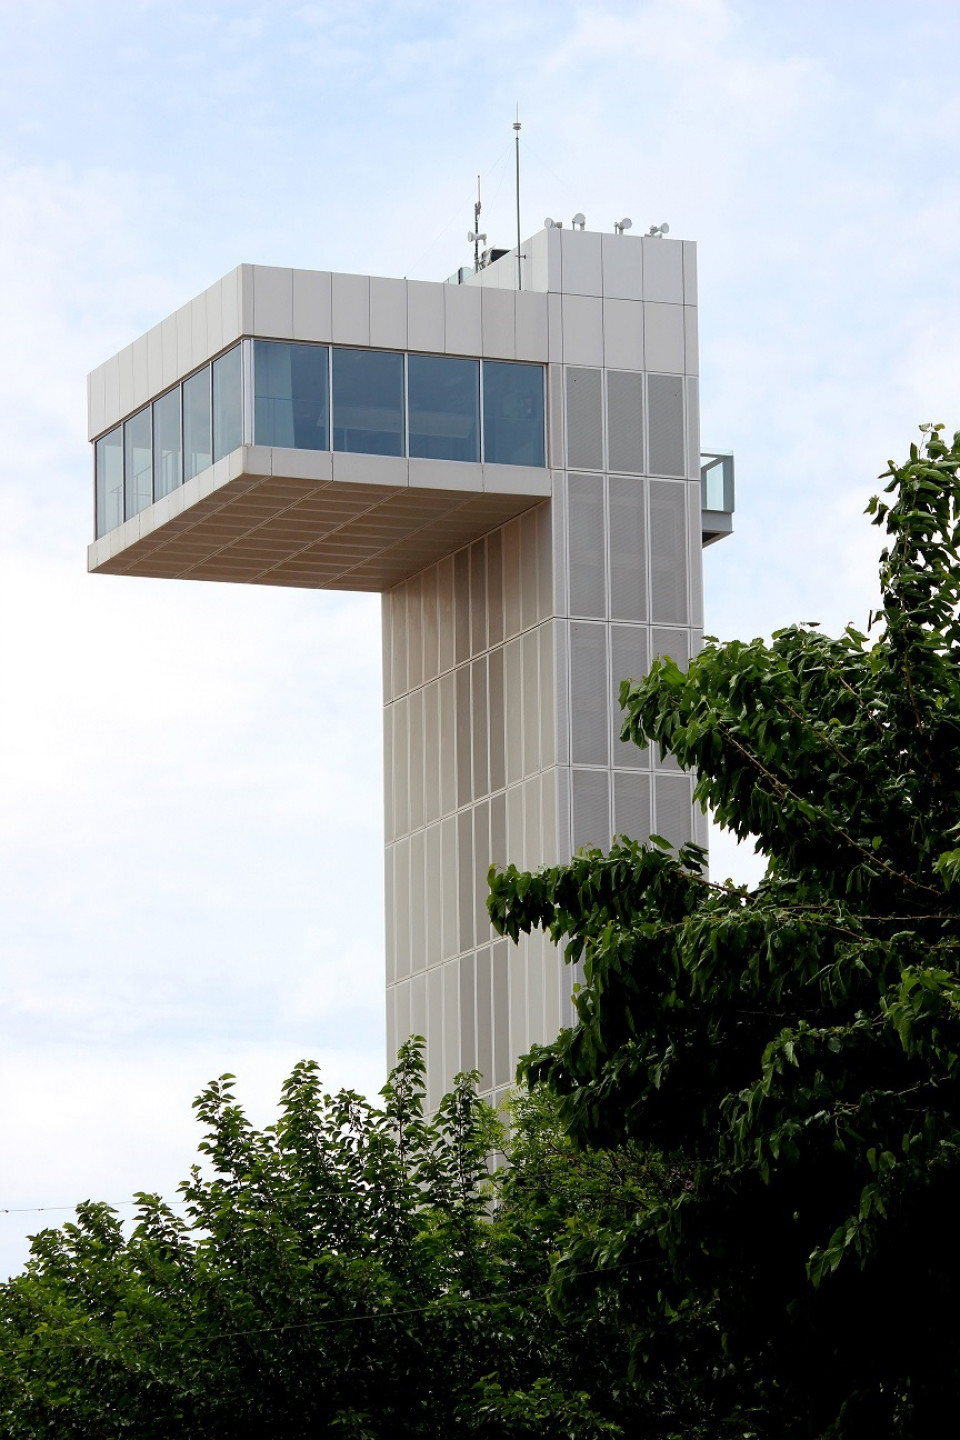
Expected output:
{"points": [[716, 481]]}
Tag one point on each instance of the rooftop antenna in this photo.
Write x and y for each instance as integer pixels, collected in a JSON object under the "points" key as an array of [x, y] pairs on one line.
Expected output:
{"points": [[516, 131], [474, 236]]}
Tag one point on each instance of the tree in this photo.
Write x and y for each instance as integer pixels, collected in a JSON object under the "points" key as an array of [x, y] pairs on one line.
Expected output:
{"points": [[793, 1049], [353, 1270]]}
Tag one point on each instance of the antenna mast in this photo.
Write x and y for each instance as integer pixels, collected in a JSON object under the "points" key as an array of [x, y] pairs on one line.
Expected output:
{"points": [[476, 229], [516, 128]]}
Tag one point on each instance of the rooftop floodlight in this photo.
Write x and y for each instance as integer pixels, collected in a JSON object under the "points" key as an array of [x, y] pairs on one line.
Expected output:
{"points": [[579, 220], [659, 230], [625, 224]]}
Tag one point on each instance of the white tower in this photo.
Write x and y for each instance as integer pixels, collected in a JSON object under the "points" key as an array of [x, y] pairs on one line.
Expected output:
{"points": [[518, 471]]}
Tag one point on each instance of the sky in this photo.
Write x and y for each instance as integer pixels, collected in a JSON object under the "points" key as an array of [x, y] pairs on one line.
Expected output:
{"points": [[190, 774]]}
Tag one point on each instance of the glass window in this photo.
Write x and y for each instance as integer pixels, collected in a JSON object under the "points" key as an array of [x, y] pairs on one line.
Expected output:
{"points": [[166, 443], [368, 402], [227, 404], [109, 481], [290, 390], [512, 413], [137, 463], [197, 449], [444, 403]]}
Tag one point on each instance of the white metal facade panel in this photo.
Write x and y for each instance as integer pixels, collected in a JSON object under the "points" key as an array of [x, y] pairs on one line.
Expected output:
{"points": [[623, 334], [622, 267], [663, 337], [663, 270]]}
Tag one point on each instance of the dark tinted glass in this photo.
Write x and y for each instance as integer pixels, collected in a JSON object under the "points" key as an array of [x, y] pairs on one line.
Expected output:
{"points": [[290, 395], [197, 446], [368, 402], [166, 443], [109, 481], [444, 406], [227, 404], [137, 464], [512, 413]]}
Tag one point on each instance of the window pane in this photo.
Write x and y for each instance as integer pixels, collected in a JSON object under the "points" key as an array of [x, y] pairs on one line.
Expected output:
{"points": [[290, 395], [137, 464], [227, 404], [368, 402], [197, 450], [109, 481], [512, 413], [444, 401], [166, 443]]}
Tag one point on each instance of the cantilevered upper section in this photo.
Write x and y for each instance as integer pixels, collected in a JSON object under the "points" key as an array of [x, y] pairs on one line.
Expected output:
{"points": [[295, 427]]}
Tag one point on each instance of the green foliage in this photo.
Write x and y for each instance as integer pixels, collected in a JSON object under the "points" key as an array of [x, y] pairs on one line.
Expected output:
{"points": [[795, 1049], [352, 1271]]}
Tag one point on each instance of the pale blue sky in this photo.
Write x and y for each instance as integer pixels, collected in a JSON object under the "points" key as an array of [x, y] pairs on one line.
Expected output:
{"points": [[190, 773]]}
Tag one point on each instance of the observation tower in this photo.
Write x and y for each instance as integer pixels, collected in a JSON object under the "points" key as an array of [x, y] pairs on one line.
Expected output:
{"points": [[512, 459]]}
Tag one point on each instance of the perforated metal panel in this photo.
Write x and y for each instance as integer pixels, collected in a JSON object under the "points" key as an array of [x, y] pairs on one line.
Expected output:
{"points": [[584, 419], [544, 524], [497, 758], [391, 917], [502, 1057], [465, 877], [468, 1012], [418, 902], [665, 412], [434, 898], [431, 666], [495, 587], [484, 1018], [481, 864], [448, 745], [511, 578], [591, 808], [478, 596], [398, 617], [431, 757], [451, 1018], [401, 767], [588, 694], [631, 805], [402, 1001], [668, 553], [414, 631], [674, 812], [674, 643], [450, 916], [478, 712], [416, 759], [512, 701], [531, 701], [628, 661], [401, 881], [435, 1073], [461, 585], [445, 615], [628, 551], [464, 737], [625, 421], [588, 591], [418, 1005]]}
